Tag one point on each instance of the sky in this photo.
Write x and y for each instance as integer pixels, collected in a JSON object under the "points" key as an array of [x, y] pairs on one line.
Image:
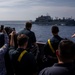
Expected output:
{"points": [[31, 9]]}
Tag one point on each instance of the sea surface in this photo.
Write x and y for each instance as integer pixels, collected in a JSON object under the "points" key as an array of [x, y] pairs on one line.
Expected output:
{"points": [[42, 32]]}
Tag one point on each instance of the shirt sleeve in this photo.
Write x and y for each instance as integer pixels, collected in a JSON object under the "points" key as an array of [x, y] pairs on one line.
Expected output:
{"points": [[4, 48], [33, 37]]}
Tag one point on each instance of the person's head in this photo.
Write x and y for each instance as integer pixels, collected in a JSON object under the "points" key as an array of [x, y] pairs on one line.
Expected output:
{"points": [[22, 40], [54, 30], [66, 50], [28, 25]]}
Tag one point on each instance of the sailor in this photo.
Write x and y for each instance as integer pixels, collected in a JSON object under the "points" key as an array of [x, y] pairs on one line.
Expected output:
{"points": [[32, 46], [65, 55], [51, 46], [23, 62]]}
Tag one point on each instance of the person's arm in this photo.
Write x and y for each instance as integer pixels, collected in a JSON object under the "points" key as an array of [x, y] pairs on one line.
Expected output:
{"points": [[4, 48], [12, 43], [12, 39], [73, 35]]}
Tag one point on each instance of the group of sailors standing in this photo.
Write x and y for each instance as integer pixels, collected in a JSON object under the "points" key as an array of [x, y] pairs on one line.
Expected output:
{"points": [[19, 53]]}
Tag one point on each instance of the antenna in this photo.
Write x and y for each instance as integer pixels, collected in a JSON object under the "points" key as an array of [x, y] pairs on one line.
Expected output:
{"points": [[47, 14]]}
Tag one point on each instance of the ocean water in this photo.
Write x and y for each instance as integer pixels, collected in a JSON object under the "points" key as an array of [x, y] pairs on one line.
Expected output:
{"points": [[42, 32]]}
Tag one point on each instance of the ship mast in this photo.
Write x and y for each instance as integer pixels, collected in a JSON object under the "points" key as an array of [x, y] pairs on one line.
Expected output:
{"points": [[47, 14]]}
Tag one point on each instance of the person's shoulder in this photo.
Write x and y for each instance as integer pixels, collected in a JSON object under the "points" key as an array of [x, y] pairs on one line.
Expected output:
{"points": [[54, 70], [29, 54], [31, 32], [45, 71], [56, 39], [12, 51], [20, 32]]}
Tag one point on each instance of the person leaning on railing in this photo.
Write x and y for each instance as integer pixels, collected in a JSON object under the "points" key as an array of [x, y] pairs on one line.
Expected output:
{"points": [[51, 47], [32, 45]]}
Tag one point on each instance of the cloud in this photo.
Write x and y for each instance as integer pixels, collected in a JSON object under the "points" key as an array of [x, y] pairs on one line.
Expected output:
{"points": [[8, 3], [30, 9], [28, 3]]}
